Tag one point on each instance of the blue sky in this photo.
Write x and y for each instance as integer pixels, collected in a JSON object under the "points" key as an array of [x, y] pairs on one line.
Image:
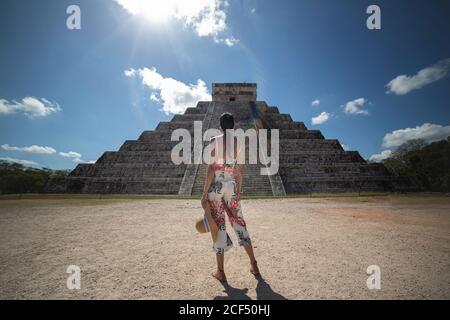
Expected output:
{"points": [[66, 96]]}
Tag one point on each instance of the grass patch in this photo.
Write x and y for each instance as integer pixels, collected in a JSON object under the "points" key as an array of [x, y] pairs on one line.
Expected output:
{"points": [[32, 199]]}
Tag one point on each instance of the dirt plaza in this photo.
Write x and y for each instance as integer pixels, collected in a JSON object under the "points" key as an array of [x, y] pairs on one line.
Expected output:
{"points": [[307, 248]]}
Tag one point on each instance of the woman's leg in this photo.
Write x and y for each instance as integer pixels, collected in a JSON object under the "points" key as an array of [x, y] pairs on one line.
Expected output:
{"points": [[223, 241], [249, 249], [253, 264], [220, 273], [236, 217], [220, 260]]}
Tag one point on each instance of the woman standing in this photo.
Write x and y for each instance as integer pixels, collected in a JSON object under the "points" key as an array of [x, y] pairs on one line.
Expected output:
{"points": [[222, 192]]}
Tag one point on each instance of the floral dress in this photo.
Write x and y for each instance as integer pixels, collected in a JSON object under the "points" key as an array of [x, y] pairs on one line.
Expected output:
{"points": [[222, 198]]}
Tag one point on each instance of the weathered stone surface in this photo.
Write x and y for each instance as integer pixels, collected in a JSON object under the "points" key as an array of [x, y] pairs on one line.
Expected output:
{"points": [[308, 161], [234, 92]]}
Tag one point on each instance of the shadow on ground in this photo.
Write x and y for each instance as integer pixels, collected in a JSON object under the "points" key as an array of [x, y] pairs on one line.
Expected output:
{"points": [[263, 292]]}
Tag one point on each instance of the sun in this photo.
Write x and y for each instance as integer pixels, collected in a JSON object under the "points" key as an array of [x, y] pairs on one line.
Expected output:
{"points": [[156, 11]]}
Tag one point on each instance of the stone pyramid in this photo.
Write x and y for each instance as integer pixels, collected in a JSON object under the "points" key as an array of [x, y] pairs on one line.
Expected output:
{"points": [[308, 161]]}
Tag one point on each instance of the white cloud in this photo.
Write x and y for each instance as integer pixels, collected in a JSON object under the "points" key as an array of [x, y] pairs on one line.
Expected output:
{"points": [[206, 17], [403, 84], [75, 156], [70, 154], [321, 118], [315, 103], [230, 41], [32, 107], [154, 97], [427, 132], [380, 156], [78, 160], [30, 149], [253, 10], [355, 107], [175, 95], [26, 163], [130, 73], [345, 147]]}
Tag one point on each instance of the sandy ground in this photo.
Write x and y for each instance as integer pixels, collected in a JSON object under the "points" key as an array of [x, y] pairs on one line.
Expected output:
{"points": [[149, 249]]}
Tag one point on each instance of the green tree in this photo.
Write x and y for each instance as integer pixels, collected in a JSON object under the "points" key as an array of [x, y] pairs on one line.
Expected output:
{"points": [[427, 164], [16, 178]]}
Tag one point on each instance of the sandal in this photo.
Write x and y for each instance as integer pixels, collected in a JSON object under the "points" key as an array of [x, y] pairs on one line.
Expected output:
{"points": [[254, 270]]}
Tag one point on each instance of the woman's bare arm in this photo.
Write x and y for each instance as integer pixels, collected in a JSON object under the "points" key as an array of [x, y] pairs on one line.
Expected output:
{"points": [[208, 181], [239, 170]]}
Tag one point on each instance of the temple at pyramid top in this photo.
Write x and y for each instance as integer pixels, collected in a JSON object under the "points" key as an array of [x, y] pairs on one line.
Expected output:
{"points": [[234, 92]]}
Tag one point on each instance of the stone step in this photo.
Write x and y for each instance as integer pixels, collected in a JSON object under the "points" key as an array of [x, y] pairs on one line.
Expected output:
{"points": [[295, 165], [340, 178], [140, 179], [300, 134], [274, 117], [129, 171], [148, 136], [138, 165], [286, 145], [273, 109], [334, 168], [330, 177], [156, 145], [170, 126], [136, 156], [195, 110], [288, 125], [111, 185], [160, 135], [188, 117], [320, 156], [337, 186], [292, 126], [130, 175], [290, 145]]}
